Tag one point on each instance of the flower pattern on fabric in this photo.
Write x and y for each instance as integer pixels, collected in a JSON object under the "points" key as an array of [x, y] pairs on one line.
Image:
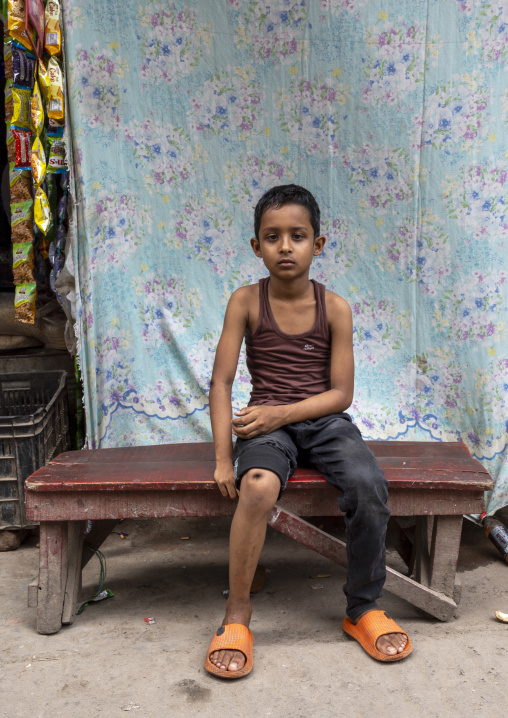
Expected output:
{"points": [[165, 153], [74, 16], [478, 199], [338, 6], [114, 357], [474, 311], [248, 177], [272, 31], [202, 231], [379, 328], [417, 254], [172, 41], [395, 60], [230, 104], [382, 177], [456, 114], [487, 38], [310, 111], [120, 223], [165, 306], [345, 246], [97, 74]]}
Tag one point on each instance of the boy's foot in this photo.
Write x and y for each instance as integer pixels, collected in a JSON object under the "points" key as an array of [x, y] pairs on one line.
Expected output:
{"points": [[389, 643], [232, 660], [379, 635]]}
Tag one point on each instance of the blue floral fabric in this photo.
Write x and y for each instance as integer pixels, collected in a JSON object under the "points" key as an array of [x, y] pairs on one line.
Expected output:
{"points": [[392, 112]]}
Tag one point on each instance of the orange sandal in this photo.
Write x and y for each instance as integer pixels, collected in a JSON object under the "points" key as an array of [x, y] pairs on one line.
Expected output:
{"points": [[234, 637], [369, 628]]}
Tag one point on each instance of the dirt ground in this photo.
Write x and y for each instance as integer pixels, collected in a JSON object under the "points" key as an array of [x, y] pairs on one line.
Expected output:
{"points": [[110, 661]]}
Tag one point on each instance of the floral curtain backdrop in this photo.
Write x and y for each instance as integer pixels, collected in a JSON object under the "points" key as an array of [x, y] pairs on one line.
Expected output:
{"points": [[392, 112]]}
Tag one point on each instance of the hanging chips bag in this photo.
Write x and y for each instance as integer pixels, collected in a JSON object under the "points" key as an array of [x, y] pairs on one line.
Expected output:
{"points": [[20, 185], [38, 161], [22, 262], [21, 146], [43, 77], [21, 107], [11, 147], [24, 302], [8, 69], [9, 101], [37, 111], [53, 36], [23, 66], [56, 161], [22, 221], [55, 97], [42, 216], [16, 22]]}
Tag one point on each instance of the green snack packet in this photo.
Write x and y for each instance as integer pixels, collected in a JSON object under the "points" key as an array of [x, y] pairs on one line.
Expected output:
{"points": [[24, 302], [22, 221], [22, 262]]}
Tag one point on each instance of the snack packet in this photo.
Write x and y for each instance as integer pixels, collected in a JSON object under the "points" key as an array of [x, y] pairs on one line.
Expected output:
{"points": [[37, 111], [9, 101], [23, 66], [38, 161], [20, 185], [18, 151], [43, 77], [55, 97], [24, 302], [42, 216], [22, 262], [8, 69], [56, 161], [22, 221], [21, 107], [53, 35], [16, 22]]}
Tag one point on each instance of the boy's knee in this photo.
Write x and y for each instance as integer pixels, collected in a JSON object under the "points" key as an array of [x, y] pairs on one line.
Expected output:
{"points": [[259, 489]]}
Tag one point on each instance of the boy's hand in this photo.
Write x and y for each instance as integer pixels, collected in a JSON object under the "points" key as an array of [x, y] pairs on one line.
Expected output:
{"points": [[258, 420], [224, 476]]}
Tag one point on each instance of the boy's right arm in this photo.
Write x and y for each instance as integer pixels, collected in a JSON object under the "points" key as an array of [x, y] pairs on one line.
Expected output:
{"points": [[223, 375]]}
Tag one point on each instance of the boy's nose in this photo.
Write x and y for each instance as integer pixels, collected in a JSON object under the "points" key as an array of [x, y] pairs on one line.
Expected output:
{"points": [[285, 245]]}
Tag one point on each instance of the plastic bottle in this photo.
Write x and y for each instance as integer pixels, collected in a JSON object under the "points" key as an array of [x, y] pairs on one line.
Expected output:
{"points": [[498, 534]]}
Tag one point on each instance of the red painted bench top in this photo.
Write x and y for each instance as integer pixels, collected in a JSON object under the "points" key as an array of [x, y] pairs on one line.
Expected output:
{"points": [[406, 464]]}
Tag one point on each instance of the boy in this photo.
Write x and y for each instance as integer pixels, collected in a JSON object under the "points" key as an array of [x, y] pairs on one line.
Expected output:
{"points": [[299, 345]]}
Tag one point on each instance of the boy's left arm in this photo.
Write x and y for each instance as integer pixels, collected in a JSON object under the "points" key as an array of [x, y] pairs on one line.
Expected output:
{"points": [[256, 420]]}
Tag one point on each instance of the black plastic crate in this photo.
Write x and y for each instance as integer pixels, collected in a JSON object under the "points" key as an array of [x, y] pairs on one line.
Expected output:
{"points": [[34, 428]]}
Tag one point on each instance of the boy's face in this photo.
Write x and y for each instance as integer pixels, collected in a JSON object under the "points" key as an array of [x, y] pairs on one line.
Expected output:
{"points": [[286, 241]]}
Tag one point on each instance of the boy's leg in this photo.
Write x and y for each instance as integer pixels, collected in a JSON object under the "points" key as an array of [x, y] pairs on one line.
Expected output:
{"points": [[335, 446], [259, 489]]}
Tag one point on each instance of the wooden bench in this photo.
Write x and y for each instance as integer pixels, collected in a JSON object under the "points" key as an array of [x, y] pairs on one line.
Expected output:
{"points": [[435, 482]]}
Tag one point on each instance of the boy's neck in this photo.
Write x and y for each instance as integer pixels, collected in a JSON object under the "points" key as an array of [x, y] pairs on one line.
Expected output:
{"points": [[289, 288]]}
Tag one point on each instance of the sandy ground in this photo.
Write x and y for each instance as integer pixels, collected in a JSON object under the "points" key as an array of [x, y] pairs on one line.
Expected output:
{"points": [[110, 662]]}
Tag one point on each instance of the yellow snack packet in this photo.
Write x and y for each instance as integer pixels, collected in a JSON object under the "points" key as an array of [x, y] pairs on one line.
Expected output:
{"points": [[38, 161], [21, 107], [56, 97], [24, 302], [43, 77], [53, 34], [42, 213], [16, 22], [37, 110]]}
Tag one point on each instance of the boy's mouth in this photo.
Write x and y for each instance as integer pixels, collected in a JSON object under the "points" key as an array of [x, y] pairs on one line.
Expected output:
{"points": [[286, 263]]}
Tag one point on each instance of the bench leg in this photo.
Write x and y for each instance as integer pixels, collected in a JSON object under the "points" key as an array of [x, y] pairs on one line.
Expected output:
{"points": [[444, 554], [425, 597], [52, 575], [76, 532]]}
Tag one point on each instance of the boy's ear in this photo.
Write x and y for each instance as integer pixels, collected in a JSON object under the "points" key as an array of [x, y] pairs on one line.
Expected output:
{"points": [[254, 243], [319, 244]]}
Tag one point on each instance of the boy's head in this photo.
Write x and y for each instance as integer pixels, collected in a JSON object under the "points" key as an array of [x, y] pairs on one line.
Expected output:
{"points": [[277, 197]]}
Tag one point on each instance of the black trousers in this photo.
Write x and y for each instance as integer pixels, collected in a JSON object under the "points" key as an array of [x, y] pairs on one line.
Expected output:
{"points": [[334, 446]]}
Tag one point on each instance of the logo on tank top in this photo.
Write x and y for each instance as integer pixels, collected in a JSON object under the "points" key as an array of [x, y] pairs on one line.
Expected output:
{"points": [[308, 347]]}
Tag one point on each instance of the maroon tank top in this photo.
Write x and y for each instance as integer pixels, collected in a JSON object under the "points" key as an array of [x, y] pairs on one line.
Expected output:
{"points": [[286, 368]]}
